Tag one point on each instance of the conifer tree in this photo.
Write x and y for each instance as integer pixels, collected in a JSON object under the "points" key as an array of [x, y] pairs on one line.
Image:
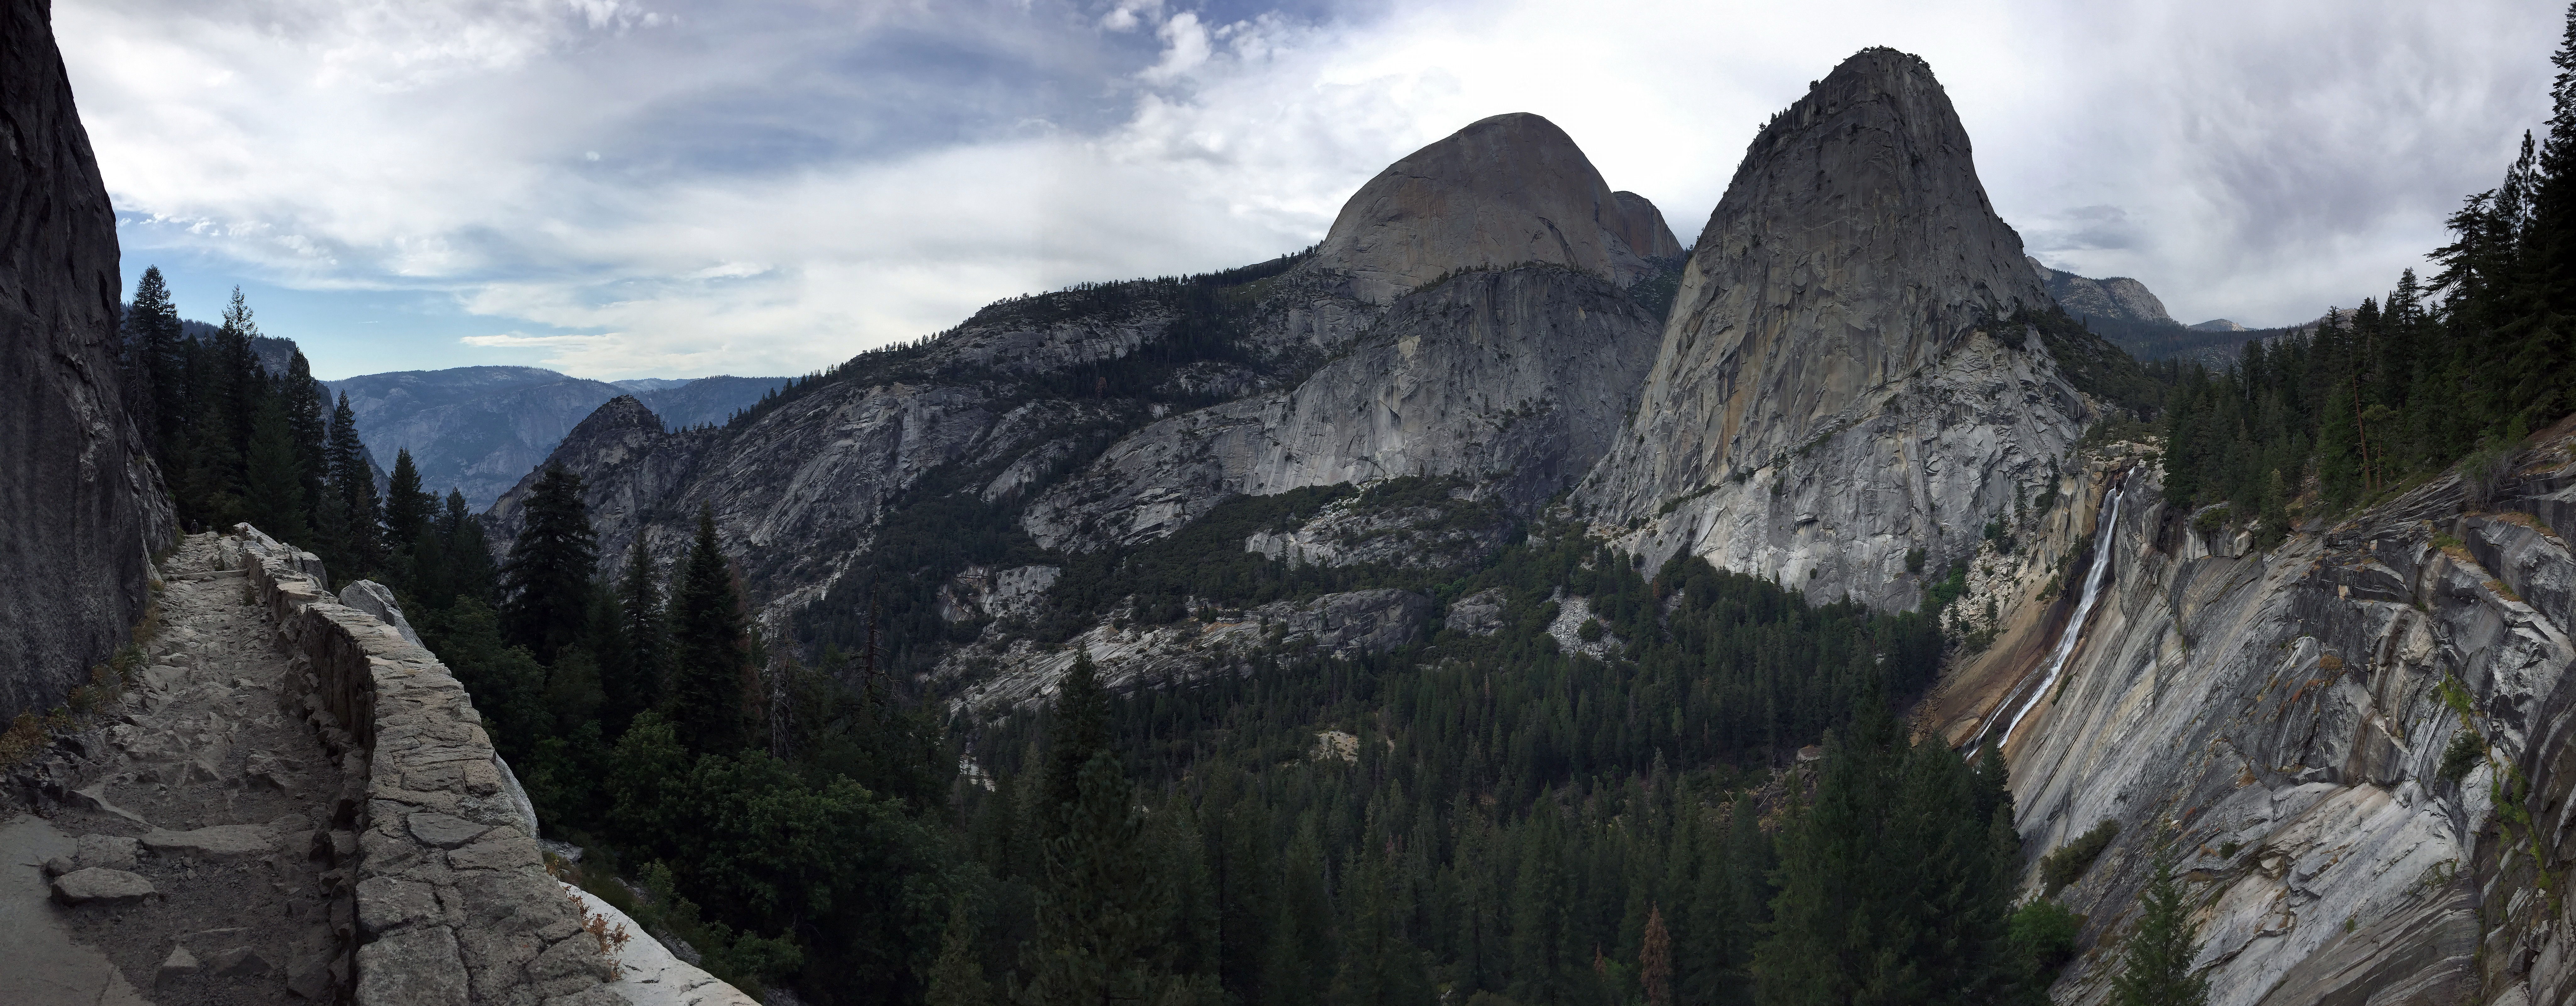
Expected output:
{"points": [[710, 656], [1298, 961], [1102, 910], [308, 427], [635, 679], [275, 482], [957, 978], [546, 581], [1655, 960], [2155, 962], [407, 508], [356, 483], [158, 362]]}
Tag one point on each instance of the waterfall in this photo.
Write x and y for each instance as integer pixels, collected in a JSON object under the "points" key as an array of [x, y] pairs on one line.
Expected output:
{"points": [[2094, 577]]}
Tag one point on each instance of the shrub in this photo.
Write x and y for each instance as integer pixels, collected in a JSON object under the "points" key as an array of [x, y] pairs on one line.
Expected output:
{"points": [[2043, 932], [2466, 751], [1590, 630], [1915, 558], [2069, 862], [2211, 519]]}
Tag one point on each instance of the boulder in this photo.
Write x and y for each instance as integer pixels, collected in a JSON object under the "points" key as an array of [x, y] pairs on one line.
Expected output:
{"points": [[220, 843], [375, 599], [112, 851], [99, 885], [179, 965], [239, 961]]}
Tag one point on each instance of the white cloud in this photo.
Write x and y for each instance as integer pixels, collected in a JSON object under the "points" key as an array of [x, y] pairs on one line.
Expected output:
{"points": [[716, 191]]}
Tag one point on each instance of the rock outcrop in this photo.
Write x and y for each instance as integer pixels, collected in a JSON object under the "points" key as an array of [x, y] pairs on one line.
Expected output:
{"points": [[1838, 382], [2282, 720], [1504, 191], [2117, 298], [84, 501], [1517, 377]]}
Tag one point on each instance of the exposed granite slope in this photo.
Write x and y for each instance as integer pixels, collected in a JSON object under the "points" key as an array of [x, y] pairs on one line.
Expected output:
{"points": [[2117, 297], [83, 499], [1516, 377], [1505, 190], [2280, 717], [1835, 385]]}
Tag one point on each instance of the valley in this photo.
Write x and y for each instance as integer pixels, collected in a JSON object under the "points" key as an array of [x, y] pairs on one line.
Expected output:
{"points": [[1500, 602]]}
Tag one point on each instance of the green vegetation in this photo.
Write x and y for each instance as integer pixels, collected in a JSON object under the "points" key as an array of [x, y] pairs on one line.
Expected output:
{"points": [[2044, 932], [2155, 960], [2466, 752], [2068, 862]]}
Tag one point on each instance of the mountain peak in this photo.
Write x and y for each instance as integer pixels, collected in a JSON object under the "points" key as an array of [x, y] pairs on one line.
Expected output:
{"points": [[1505, 190], [1831, 303]]}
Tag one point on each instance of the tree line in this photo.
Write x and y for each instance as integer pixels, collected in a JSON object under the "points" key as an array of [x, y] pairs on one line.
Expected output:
{"points": [[2372, 401]]}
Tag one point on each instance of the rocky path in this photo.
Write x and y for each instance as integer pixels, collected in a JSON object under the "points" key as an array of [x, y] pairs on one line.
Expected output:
{"points": [[199, 865]]}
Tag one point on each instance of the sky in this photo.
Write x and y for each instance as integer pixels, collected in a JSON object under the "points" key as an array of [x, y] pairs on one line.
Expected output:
{"points": [[640, 188]]}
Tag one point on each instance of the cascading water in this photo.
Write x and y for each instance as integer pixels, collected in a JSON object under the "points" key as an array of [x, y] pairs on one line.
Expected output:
{"points": [[2026, 698]]}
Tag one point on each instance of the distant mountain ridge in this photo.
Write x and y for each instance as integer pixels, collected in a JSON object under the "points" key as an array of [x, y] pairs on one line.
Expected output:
{"points": [[478, 429]]}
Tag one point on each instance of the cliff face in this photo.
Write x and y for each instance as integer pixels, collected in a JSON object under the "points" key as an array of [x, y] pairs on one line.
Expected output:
{"points": [[83, 499], [1836, 383], [1518, 378], [2118, 298], [2281, 720], [1503, 191]]}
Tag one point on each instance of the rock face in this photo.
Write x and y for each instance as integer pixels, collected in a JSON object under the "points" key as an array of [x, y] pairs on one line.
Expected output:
{"points": [[84, 500], [2281, 718], [1837, 384], [1518, 376], [2118, 298], [1503, 191]]}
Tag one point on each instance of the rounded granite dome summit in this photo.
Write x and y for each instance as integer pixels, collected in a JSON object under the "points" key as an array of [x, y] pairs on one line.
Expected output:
{"points": [[1504, 191]]}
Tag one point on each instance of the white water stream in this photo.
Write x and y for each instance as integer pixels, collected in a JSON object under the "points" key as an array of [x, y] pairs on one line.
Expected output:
{"points": [[2094, 576]]}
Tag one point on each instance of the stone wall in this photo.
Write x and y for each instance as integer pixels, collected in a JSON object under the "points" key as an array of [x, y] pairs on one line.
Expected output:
{"points": [[453, 904]]}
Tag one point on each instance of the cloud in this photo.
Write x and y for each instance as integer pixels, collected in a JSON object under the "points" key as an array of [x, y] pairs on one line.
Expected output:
{"points": [[677, 188]]}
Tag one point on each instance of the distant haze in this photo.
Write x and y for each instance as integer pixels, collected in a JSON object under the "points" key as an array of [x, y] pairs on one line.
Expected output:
{"points": [[616, 190]]}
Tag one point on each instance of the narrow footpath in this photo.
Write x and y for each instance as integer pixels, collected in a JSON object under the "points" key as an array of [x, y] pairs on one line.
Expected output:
{"points": [[199, 858]]}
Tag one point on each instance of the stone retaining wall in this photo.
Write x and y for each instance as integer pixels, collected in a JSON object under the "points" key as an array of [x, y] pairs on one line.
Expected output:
{"points": [[453, 904]]}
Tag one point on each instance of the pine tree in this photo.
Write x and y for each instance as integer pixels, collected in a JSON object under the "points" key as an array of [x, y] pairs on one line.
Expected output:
{"points": [[355, 481], [160, 364], [957, 978], [309, 429], [711, 658], [407, 508], [1655, 960], [1298, 962], [1102, 910], [546, 582], [275, 489], [1378, 968], [2155, 961], [643, 640]]}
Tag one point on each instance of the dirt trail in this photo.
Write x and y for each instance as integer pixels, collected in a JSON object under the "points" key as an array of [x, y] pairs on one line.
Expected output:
{"points": [[213, 791]]}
